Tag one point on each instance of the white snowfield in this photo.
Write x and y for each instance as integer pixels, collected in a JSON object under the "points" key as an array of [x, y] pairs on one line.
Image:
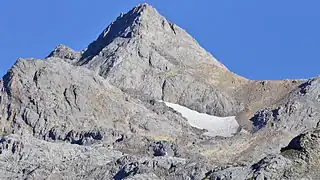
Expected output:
{"points": [[216, 126]]}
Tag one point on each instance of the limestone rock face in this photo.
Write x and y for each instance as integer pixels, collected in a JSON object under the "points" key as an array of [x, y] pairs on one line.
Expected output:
{"points": [[99, 113], [54, 100], [297, 111], [148, 57], [145, 55], [66, 53], [298, 160]]}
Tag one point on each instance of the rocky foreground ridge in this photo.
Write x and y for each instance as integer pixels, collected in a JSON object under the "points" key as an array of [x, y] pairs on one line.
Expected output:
{"points": [[99, 113]]}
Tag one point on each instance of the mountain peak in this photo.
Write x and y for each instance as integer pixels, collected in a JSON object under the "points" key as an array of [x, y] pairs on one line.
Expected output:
{"points": [[145, 24], [66, 53], [143, 6], [127, 25], [138, 11]]}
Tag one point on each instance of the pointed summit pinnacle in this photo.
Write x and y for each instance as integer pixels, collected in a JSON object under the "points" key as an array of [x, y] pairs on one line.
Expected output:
{"points": [[144, 30], [125, 26], [144, 6], [145, 10]]}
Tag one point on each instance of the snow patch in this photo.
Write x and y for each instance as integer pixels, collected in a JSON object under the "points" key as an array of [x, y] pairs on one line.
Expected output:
{"points": [[216, 126]]}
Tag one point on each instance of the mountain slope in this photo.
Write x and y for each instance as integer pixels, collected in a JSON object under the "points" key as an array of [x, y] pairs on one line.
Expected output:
{"points": [[56, 101], [149, 57], [102, 113]]}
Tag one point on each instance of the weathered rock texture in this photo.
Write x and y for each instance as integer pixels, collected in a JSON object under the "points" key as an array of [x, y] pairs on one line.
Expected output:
{"points": [[96, 114], [147, 56]]}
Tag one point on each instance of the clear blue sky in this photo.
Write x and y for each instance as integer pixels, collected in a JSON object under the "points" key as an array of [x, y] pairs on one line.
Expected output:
{"points": [[272, 39]]}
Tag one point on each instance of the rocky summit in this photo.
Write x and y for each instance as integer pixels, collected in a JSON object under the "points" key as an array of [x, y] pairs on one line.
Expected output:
{"points": [[146, 101]]}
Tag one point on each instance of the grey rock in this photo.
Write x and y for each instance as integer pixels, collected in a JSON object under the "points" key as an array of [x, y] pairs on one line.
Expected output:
{"points": [[162, 148], [298, 160], [30, 158], [144, 54], [96, 114], [65, 53], [54, 101], [148, 57], [51, 101]]}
